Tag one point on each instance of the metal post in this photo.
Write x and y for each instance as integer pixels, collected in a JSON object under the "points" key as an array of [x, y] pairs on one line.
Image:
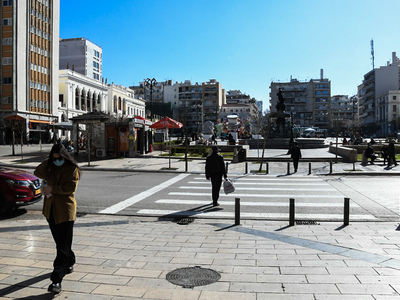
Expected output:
{"points": [[346, 216], [330, 167], [237, 211], [291, 212], [226, 167], [288, 168], [246, 168], [266, 168], [309, 168]]}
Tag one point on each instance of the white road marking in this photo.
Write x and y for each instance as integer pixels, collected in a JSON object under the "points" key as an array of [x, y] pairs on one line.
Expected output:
{"points": [[139, 197], [252, 203], [257, 195], [266, 183], [261, 189], [254, 215]]}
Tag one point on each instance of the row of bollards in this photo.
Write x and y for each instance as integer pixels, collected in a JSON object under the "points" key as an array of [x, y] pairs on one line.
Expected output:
{"points": [[292, 214], [246, 168]]}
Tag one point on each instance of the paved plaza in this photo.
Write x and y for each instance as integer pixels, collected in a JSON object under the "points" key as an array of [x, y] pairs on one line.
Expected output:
{"points": [[125, 257]]}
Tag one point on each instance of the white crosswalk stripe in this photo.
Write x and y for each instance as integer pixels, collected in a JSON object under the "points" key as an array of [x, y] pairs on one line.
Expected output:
{"points": [[316, 199]]}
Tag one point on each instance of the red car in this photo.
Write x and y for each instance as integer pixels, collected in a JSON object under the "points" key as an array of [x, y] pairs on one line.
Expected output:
{"points": [[18, 188]]}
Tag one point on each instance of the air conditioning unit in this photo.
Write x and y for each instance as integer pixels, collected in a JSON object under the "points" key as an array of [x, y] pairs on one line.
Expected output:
{"points": [[100, 152]]}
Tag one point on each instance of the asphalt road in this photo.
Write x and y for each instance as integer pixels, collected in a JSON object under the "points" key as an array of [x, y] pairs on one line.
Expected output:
{"points": [[162, 195]]}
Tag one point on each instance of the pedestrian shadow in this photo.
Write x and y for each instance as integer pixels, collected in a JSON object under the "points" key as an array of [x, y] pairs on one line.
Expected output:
{"points": [[26, 283], [191, 212]]}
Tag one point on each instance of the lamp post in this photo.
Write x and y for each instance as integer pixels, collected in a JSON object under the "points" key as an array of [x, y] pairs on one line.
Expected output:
{"points": [[291, 141], [150, 83]]}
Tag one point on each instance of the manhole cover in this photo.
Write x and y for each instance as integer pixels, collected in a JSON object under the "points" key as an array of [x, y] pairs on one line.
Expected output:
{"points": [[193, 276], [183, 221]]}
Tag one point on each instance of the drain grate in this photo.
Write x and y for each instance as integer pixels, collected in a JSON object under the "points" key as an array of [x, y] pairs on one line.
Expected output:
{"points": [[307, 222], [183, 221], [193, 276]]}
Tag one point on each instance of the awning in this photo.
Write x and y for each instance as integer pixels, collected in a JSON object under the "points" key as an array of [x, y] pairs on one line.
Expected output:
{"points": [[39, 121], [14, 117], [63, 125]]}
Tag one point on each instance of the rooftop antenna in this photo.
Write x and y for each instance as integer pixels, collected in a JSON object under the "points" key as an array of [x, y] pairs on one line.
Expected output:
{"points": [[372, 54]]}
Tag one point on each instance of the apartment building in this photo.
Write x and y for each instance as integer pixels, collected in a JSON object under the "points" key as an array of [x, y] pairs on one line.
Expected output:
{"points": [[378, 98], [29, 66], [82, 56], [344, 112], [308, 102], [195, 103], [240, 104]]}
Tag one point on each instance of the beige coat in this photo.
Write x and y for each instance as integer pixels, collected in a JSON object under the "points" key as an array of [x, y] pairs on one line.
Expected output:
{"points": [[64, 180]]}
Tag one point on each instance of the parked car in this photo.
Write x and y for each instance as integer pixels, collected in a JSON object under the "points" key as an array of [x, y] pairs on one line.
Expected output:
{"points": [[18, 188]]}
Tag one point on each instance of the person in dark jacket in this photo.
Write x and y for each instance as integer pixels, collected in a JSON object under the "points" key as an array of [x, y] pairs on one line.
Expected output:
{"points": [[215, 169], [295, 155], [370, 153], [61, 174], [391, 154]]}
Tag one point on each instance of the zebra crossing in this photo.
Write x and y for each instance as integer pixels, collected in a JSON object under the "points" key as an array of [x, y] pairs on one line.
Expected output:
{"points": [[265, 197]]}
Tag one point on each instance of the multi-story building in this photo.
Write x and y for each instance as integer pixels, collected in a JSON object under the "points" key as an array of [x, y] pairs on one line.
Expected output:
{"points": [[308, 102], [378, 98], [196, 103], [122, 102], [79, 94], [83, 56], [239, 104], [29, 65], [344, 112]]}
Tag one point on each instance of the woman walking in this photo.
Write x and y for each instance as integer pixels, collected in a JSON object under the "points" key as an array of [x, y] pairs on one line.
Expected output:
{"points": [[61, 174]]}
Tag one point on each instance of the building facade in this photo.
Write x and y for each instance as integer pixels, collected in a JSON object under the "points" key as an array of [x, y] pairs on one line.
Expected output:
{"points": [[308, 102], [29, 66], [82, 56], [239, 104], [122, 102], [378, 96], [344, 114]]}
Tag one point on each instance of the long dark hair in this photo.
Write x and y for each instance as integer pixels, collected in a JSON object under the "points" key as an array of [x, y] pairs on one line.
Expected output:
{"points": [[62, 151]]}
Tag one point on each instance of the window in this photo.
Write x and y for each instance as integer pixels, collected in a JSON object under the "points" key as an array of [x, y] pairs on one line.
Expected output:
{"points": [[394, 97], [7, 41], [7, 21], [7, 80], [6, 61], [7, 2]]}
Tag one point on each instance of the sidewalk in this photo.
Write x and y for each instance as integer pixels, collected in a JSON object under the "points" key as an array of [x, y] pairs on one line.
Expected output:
{"points": [[152, 162], [122, 257]]}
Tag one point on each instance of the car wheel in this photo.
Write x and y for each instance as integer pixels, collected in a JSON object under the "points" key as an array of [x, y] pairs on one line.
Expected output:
{"points": [[3, 203]]}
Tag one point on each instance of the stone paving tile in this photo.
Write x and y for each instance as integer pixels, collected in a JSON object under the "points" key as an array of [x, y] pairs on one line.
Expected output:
{"points": [[368, 289], [120, 290]]}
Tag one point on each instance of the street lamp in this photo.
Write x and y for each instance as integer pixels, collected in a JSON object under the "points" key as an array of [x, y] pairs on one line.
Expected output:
{"points": [[150, 83]]}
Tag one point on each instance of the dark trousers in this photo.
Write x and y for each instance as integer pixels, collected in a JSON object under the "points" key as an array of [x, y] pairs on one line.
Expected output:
{"points": [[216, 181], [392, 160], [62, 235], [295, 163]]}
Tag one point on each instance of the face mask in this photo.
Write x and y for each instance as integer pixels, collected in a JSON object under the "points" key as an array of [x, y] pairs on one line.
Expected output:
{"points": [[58, 163]]}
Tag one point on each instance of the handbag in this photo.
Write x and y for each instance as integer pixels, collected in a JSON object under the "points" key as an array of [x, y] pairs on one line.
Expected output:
{"points": [[228, 187]]}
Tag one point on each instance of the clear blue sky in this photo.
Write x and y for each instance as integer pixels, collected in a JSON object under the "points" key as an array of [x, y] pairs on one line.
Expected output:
{"points": [[243, 44]]}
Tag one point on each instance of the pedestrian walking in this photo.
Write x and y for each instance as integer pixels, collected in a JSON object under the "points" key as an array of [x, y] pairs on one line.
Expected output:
{"points": [[392, 154], [214, 139], [384, 153], [215, 170], [61, 174], [295, 155]]}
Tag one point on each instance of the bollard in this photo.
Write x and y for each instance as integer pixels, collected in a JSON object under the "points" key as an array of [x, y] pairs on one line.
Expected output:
{"points": [[309, 168], [226, 167], [266, 168], [330, 167], [288, 168], [354, 166], [346, 216], [237, 211], [246, 170], [291, 212]]}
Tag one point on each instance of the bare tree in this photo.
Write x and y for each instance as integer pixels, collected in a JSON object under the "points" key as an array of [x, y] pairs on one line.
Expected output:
{"points": [[16, 126], [262, 126]]}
